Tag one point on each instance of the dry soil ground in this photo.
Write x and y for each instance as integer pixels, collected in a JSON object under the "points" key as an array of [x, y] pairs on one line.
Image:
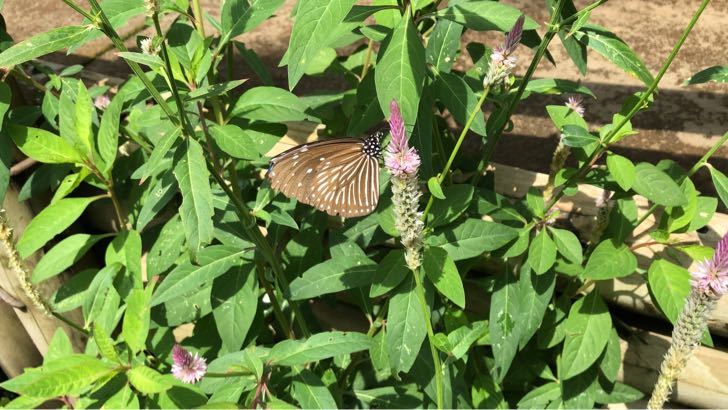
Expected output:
{"points": [[681, 125]]}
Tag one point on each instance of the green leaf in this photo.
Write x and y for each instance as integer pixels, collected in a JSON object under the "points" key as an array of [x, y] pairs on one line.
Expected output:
{"points": [[622, 170], [6, 147], [136, 319], [213, 90], [400, 72], [239, 16], [406, 327], [586, 328], [149, 381], [443, 273], [318, 347], [541, 396], [485, 15], [42, 44], [669, 287], [620, 393], [720, 181], [98, 292], [563, 116], [473, 237], [108, 135], [51, 221], [59, 346], [196, 209], [557, 86], [366, 111], [270, 104], [185, 278], [443, 45], [460, 100], [704, 211], [615, 50], [126, 249], [464, 337], [391, 271], [67, 375], [576, 136], [235, 301], [504, 327], [718, 74], [234, 141], [657, 186], [534, 295], [609, 261], [333, 275], [84, 118], [64, 255], [458, 198], [311, 392], [314, 21], [542, 252], [435, 189], [568, 245], [105, 344], [42, 145], [152, 61]]}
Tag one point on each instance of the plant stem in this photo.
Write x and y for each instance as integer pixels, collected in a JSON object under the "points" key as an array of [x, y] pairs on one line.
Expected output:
{"points": [[463, 133], [277, 311], [108, 29], [495, 132], [643, 98], [420, 290], [250, 227], [199, 22], [70, 323], [701, 162], [367, 60]]}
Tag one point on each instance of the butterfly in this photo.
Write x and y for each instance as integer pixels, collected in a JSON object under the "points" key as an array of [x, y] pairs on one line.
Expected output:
{"points": [[339, 176]]}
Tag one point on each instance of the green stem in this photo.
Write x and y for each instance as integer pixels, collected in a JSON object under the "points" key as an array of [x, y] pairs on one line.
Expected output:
{"points": [[463, 133], [172, 84], [108, 29], [701, 162], [250, 227], [650, 90], [420, 289], [277, 311], [199, 22], [70, 323], [495, 132]]}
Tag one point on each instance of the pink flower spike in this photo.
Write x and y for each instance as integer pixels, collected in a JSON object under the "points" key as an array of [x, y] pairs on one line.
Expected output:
{"points": [[514, 36], [711, 276], [400, 157], [187, 367], [576, 104], [396, 127]]}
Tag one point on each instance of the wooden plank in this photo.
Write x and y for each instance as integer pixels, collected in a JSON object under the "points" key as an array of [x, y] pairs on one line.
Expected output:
{"points": [[39, 326], [17, 350], [703, 383]]}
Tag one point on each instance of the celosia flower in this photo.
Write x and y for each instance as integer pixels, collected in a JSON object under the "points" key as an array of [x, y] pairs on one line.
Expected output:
{"points": [[402, 161], [102, 101], [709, 282], [576, 104], [187, 367], [711, 276], [151, 6], [147, 46], [400, 157], [502, 59]]}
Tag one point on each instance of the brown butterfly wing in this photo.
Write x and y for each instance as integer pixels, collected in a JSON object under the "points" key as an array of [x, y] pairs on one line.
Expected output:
{"points": [[334, 176]]}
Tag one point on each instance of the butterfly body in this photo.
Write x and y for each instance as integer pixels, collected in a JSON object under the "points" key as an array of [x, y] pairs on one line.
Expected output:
{"points": [[338, 176]]}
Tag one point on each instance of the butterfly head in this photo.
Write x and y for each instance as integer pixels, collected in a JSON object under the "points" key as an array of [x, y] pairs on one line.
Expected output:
{"points": [[373, 144]]}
